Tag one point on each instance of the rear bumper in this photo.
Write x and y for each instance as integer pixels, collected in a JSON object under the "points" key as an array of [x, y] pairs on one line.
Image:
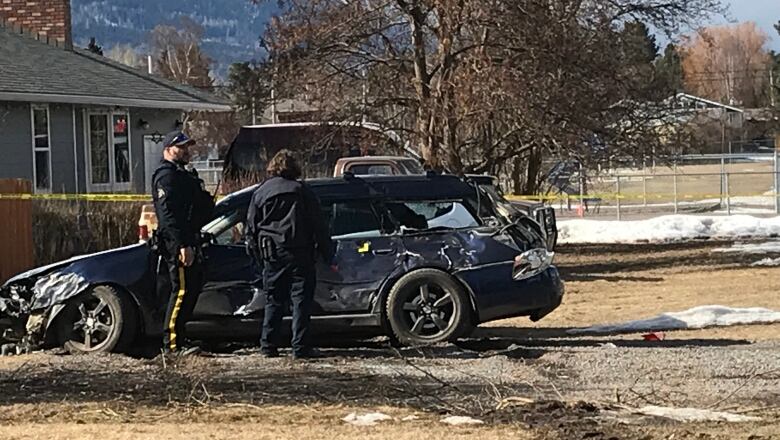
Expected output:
{"points": [[535, 297]]}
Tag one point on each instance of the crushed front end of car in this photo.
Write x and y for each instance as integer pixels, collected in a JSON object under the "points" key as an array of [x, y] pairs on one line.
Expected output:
{"points": [[27, 304]]}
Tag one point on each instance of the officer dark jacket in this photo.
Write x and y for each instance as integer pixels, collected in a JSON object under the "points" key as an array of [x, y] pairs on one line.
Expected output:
{"points": [[182, 204], [288, 212]]}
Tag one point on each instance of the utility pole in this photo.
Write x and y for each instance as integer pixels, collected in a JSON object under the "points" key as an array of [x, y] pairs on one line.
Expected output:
{"points": [[771, 87]]}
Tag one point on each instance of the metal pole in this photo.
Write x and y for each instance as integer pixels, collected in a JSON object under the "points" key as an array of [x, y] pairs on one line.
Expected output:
{"points": [[617, 197], [722, 173], [644, 181], [776, 180], [582, 190], [728, 196], [674, 176]]}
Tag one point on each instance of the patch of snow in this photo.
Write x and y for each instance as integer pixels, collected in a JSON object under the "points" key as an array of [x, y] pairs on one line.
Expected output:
{"points": [[752, 248], [410, 418], [666, 228], [770, 262], [461, 420], [368, 419], [694, 414], [697, 317]]}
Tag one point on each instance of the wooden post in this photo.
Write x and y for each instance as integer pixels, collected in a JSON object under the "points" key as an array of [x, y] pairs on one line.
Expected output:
{"points": [[16, 239]]}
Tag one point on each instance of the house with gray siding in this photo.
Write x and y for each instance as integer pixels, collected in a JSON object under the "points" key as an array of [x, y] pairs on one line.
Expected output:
{"points": [[72, 121]]}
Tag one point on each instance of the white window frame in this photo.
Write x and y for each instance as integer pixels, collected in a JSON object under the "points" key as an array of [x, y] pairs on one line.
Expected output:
{"points": [[112, 185], [33, 108]]}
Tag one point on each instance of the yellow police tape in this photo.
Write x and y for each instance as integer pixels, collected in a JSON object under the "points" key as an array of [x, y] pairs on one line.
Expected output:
{"points": [[614, 196], [80, 197]]}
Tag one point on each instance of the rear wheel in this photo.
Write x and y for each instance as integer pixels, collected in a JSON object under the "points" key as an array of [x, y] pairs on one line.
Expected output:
{"points": [[428, 306], [100, 321]]}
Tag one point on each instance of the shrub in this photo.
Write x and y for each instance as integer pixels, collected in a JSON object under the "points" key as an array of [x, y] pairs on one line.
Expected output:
{"points": [[64, 228]]}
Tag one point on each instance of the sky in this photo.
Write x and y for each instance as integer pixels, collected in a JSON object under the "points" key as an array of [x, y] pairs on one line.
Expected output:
{"points": [[764, 12]]}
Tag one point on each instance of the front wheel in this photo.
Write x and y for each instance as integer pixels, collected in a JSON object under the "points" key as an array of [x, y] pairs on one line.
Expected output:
{"points": [[101, 320], [427, 306]]}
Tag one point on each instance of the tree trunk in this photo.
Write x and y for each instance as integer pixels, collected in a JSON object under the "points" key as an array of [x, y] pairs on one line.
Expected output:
{"points": [[424, 122]]}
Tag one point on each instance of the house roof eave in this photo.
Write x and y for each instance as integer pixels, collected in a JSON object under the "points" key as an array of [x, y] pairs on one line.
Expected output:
{"points": [[109, 101]]}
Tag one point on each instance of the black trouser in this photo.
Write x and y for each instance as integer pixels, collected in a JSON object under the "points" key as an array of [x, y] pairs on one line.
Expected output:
{"points": [[186, 283], [288, 279]]}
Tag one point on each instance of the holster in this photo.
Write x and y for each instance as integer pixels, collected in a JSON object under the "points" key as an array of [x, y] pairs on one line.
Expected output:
{"points": [[267, 248]]}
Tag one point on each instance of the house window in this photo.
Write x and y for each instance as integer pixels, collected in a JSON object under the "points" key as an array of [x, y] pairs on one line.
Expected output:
{"points": [[108, 151], [41, 148]]}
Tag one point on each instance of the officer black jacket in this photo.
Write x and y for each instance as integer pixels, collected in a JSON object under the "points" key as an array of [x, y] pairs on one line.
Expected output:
{"points": [[182, 204], [288, 212]]}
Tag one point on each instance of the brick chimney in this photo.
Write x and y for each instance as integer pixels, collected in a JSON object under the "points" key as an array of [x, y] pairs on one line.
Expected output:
{"points": [[49, 20]]}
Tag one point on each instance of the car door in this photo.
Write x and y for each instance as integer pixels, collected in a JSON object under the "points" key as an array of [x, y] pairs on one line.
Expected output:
{"points": [[230, 271], [367, 252]]}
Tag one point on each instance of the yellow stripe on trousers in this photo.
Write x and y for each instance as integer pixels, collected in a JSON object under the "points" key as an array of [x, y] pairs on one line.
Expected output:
{"points": [[176, 307]]}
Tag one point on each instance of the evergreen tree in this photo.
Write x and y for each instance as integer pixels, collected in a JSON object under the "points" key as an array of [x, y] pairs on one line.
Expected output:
{"points": [[669, 70], [249, 87], [94, 48]]}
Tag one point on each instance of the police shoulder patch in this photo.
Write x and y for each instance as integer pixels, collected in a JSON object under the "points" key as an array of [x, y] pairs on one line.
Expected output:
{"points": [[160, 193]]}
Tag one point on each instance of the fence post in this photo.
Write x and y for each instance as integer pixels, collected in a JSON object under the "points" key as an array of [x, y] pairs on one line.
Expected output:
{"points": [[617, 197], [722, 174], [776, 180], [582, 191], [674, 176], [728, 195]]}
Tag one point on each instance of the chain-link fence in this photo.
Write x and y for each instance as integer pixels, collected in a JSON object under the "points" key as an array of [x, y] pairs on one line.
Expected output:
{"points": [[713, 184]]}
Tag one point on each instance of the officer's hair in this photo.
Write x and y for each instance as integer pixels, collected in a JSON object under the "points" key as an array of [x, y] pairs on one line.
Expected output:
{"points": [[283, 164]]}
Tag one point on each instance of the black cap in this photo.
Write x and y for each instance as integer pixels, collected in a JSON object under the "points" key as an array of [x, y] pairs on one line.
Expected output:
{"points": [[177, 138]]}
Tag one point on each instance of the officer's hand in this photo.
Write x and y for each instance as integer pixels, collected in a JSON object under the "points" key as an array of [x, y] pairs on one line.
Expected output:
{"points": [[187, 256]]}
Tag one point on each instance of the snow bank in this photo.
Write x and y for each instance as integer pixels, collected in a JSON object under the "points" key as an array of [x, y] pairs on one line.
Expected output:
{"points": [[697, 317], [768, 262], [368, 419], [752, 248], [461, 420], [694, 414], [666, 228]]}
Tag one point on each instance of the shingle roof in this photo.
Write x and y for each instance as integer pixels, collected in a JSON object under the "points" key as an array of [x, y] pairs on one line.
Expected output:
{"points": [[33, 70]]}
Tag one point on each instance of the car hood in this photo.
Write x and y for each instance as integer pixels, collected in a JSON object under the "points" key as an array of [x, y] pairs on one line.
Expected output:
{"points": [[65, 263]]}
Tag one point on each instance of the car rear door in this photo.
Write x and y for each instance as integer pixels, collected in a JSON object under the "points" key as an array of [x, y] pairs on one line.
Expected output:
{"points": [[366, 254]]}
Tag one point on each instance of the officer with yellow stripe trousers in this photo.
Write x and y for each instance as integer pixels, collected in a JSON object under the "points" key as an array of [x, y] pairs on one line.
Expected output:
{"points": [[183, 207]]}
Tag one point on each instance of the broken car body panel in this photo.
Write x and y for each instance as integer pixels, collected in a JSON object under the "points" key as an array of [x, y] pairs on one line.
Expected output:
{"points": [[370, 259]]}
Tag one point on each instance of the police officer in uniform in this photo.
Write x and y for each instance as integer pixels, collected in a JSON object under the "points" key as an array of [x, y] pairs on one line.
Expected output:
{"points": [[286, 230], [183, 207]]}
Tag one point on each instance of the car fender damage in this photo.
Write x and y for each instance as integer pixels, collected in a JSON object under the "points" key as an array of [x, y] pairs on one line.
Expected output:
{"points": [[29, 305]]}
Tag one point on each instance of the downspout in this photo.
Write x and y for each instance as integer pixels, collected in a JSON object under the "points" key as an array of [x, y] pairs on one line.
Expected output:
{"points": [[75, 152]]}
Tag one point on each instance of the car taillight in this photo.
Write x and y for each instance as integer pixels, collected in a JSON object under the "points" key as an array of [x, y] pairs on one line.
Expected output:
{"points": [[532, 262], [143, 232]]}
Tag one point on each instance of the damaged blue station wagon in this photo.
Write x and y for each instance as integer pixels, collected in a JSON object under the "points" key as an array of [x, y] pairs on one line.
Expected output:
{"points": [[421, 258]]}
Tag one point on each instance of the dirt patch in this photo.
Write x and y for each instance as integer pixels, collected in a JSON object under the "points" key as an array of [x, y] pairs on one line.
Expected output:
{"points": [[523, 380]]}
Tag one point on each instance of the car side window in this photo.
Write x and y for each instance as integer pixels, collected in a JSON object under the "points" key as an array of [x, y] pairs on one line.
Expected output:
{"points": [[228, 229], [352, 219], [424, 215], [371, 169]]}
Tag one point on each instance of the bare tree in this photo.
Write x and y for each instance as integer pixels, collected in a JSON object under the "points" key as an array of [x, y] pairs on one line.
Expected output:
{"points": [[180, 58], [729, 64], [489, 85]]}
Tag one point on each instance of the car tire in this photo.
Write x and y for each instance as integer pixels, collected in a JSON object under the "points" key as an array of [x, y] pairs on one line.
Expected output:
{"points": [[427, 306], [102, 320]]}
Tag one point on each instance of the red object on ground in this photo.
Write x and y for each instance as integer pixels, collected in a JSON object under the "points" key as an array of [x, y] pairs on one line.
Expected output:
{"points": [[654, 336]]}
